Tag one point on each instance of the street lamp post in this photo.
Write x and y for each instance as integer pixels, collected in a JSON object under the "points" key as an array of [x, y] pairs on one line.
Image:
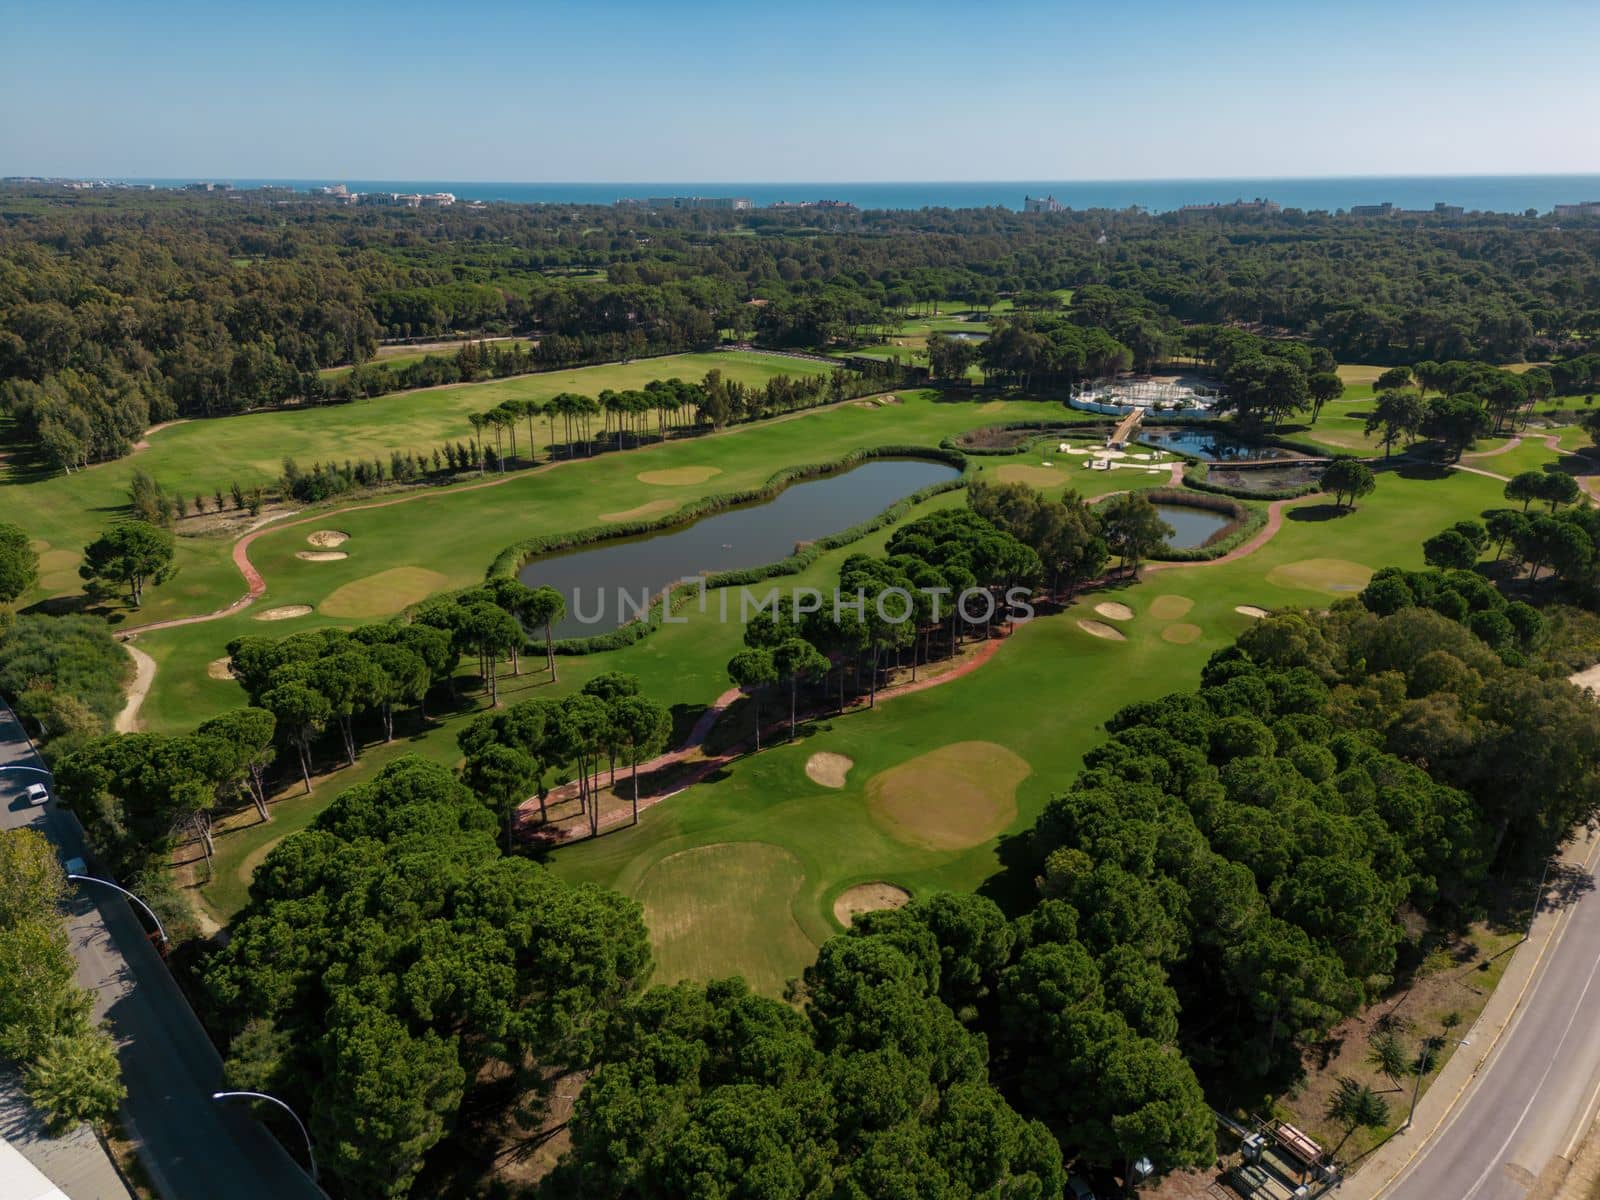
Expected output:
{"points": [[310, 1155], [1428, 1046], [115, 887]]}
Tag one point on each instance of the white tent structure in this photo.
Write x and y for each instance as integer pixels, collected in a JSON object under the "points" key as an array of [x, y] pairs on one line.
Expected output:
{"points": [[21, 1180]]}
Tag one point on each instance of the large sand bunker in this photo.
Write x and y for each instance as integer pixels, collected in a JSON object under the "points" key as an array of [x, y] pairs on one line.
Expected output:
{"points": [[1170, 608], [828, 769], [652, 509], [284, 612], [1181, 634], [1112, 611], [1100, 629], [952, 798], [1250, 610], [327, 539], [865, 898], [678, 476], [321, 555], [220, 668]]}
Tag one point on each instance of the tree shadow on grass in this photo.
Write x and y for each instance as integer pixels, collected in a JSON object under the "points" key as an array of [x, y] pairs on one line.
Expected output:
{"points": [[1318, 512]]}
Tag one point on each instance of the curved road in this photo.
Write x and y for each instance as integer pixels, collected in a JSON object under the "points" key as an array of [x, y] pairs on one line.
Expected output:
{"points": [[193, 1148], [1519, 1122]]}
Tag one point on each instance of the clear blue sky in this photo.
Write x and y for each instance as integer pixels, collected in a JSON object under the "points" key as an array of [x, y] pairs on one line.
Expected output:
{"points": [[805, 90]]}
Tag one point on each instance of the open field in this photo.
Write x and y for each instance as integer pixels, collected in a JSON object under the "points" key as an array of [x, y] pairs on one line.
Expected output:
{"points": [[399, 356]]}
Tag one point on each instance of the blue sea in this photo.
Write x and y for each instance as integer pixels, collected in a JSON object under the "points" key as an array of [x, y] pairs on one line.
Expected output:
{"points": [[1476, 193]]}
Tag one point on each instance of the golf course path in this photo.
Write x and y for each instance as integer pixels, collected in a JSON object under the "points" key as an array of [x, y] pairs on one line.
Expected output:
{"points": [[1262, 536], [1479, 471], [144, 674], [1512, 443]]}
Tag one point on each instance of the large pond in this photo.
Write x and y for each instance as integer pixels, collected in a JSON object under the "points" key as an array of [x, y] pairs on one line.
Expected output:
{"points": [[605, 584], [1210, 445], [1192, 527]]}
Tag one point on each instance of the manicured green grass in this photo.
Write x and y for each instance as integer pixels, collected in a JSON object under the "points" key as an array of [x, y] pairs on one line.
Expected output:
{"points": [[65, 512]]}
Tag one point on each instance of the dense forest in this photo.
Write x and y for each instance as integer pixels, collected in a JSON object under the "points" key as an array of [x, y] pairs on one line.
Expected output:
{"points": [[121, 310]]}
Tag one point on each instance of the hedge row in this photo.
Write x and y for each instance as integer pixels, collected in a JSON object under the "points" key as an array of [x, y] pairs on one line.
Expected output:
{"points": [[513, 558], [1247, 520]]}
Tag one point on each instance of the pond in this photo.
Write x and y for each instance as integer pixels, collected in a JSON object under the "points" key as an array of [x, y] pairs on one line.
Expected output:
{"points": [[1192, 527], [605, 584], [1286, 478], [1210, 445]]}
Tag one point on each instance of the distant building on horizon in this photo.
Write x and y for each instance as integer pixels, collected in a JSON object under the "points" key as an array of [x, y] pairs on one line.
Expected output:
{"points": [[825, 205], [1042, 204], [723, 203], [1584, 208], [1259, 204], [1387, 209]]}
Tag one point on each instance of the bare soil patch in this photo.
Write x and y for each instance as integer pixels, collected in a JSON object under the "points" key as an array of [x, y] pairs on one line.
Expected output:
{"points": [[284, 612], [651, 509], [321, 555], [679, 476], [1250, 610], [220, 668], [1587, 679], [865, 898], [1170, 608], [1113, 611], [1181, 634], [828, 769], [1100, 629], [952, 798], [327, 539]]}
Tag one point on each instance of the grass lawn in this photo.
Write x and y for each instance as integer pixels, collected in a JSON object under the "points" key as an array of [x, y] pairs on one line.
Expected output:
{"points": [[64, 512], [399, 356]]}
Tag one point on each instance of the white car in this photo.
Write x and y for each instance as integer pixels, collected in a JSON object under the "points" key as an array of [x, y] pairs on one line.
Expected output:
{"points": [[37, 793]]}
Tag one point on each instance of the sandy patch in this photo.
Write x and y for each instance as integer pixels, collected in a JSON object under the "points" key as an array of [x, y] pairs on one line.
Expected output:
{"points": [[1101, 630], [1112, 611], [385, 593], [220, 668], [679, 476], [952, 798], [828, 769], [144, 674], [1181, 634], [284, 612], [1587, 679], [652, 509], [888, 398], [321, 555], [327, 539], [1321, 575], [865, 898], [1170, 608], [1250, 610], [1039, 477]]}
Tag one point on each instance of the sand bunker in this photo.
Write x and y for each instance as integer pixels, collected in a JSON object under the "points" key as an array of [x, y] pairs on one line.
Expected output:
{"points": [[1321, 575], [828, 769], [1250, 610], [321, 555], [1170, 608], [679, 476], [653, 509], [327, 539], [865, 898], [1180, 634], [220, 668], [952, 798], [1113, 611], [1101, 630], [284, 612]]}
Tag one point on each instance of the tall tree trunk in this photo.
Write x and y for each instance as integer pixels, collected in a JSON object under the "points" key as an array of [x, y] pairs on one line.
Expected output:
{"points": [[305, 764], [636, 791], [549, 654], [258, 793], [794, 695], [757, 704]]}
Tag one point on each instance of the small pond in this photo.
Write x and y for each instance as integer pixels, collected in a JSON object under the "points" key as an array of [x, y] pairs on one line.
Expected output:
{"points": [[605, 584], [1268, 479], [1192, 527], [1210, 445]]}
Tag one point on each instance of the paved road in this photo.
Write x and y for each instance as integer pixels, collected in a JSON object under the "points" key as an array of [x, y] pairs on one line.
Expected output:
{"points": [[193, 1148], [1535, 1100]]}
